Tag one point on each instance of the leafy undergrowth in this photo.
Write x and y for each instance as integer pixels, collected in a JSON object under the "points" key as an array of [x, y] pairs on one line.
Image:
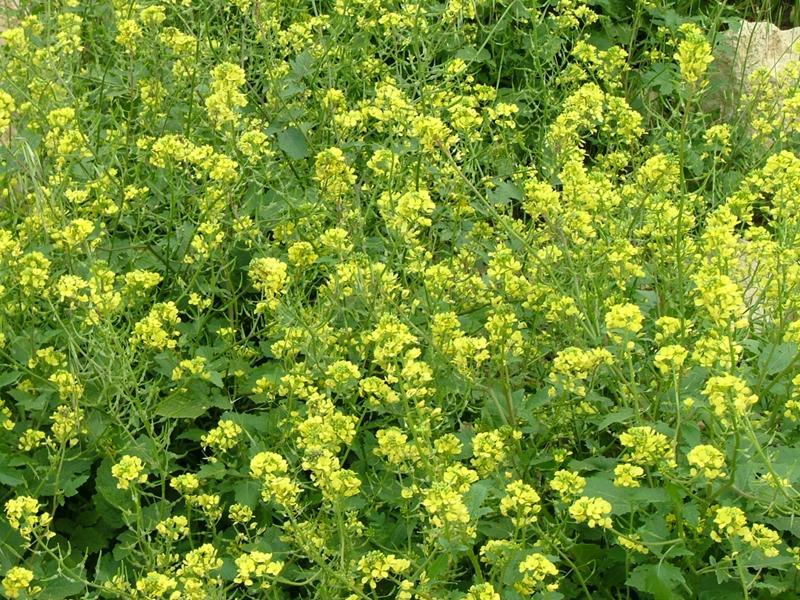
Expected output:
{"points": [[416, 300]]}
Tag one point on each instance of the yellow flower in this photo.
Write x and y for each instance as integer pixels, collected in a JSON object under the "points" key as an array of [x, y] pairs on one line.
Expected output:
{"points": [[482, 591], [226, 97], [762, 537], [200, 562], [521, 503], [730, 521], [568, 484], [130, 469], [535, 569], [592, 511], [646, 446], [693, 55], [627, 475], [632, 542], [7, 108], [706, 460], [68, 424], [155, 585], [23, 515], [173, 528], [335, 177], [240, 513], [31, 439], [376, 565], [625, 318], [270, 277], [223, 437], [489, 451], [301, 255], [393, 446], [670, 359], [728, 393], [255, 566], [185, 484], [129, 32], [16, 581], [270, 468], [155, 331]]}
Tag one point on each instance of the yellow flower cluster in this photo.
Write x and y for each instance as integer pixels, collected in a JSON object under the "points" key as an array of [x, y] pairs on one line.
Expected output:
{"points": [[488, 451], [693, 55], [376, 566], [670, 358], [23, 515], [7, 108], [223, 437], [173, 150], [646, 446], [535, 569], [729, 395], [271, 470], [706, 460], [572, 366], [270, 277], [521, 503], [592, 511], [255, 567], [444, 501], [17, 581], [334, 176], [68, 424], [482, 591], [129, 470], [731, 522], [623, 320], [226, 96], [568, 484], [627, 475], [173, 528], [156, 330]]}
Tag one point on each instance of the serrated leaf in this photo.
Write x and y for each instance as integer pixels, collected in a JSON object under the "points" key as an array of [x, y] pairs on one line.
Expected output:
{"points": [[293, 143], [182, 407], [619, 416], [10, 477], [775, 358], [660, 580], [624, 500], [59, 587]]}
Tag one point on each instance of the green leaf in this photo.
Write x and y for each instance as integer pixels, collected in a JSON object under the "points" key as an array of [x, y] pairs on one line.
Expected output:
{"points": [[777, 357], [659, 580], [106, 485], [624, 500], [9, 378], [60, 587], [620, 416], [10, 477], [293, 143], [182, 407], [73, 474], [475, 496]]}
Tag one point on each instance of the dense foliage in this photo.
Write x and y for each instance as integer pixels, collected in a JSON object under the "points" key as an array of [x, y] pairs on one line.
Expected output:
{"points": [[473, 299]]}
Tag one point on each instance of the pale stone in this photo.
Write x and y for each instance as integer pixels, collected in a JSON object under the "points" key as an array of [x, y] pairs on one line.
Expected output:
{"points": [[7, 10], [755, 45]]}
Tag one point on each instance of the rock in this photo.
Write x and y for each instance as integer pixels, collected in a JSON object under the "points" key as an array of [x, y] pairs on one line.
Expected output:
{"points": [[744, 49], [8, 9], [756, 45]]}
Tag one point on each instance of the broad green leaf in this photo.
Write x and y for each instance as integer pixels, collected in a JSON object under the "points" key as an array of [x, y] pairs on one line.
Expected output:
{"points": [[661, 580], [293, 143], [182, 407], [775, 358]]}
